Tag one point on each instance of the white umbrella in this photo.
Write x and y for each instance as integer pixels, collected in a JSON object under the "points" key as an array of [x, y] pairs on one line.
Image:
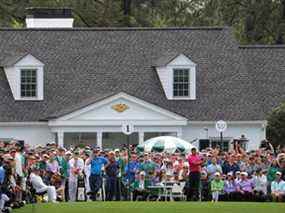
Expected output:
{"points": [[165, 144]]}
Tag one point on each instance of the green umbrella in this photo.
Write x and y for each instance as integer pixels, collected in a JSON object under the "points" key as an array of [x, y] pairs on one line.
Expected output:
{"points": [[167, 144], [180, 148], [158, 147], [140, 148]]}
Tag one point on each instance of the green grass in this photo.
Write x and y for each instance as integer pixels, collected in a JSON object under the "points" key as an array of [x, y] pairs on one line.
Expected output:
{"points": [[154, 207]]}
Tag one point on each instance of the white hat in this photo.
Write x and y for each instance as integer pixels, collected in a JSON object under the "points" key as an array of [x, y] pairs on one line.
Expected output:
{"points": [[217, 174], [244, 173], [68, 153], [230, 174], [116, 150], [278, 173], [185, 164], [142, 173]]}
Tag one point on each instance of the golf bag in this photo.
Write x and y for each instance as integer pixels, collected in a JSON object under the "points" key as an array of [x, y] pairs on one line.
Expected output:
{"points": [[81, 196]]}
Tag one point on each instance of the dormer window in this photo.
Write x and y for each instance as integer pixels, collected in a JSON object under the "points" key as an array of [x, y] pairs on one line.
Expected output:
{"points": [[28, 83], [177, 74], [181, 83], [25, 75]]}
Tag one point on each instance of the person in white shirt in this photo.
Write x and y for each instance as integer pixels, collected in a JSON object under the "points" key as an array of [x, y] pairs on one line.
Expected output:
{"points": [[278, 188], [76, 166], [40, 186], [260, 185], [87, 172]]}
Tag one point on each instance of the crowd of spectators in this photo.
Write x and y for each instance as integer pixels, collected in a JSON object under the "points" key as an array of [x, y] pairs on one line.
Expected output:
{"points": [[53, 174]]}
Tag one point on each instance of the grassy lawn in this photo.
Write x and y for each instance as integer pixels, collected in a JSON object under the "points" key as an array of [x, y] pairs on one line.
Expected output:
{"points": [[155, 207]]}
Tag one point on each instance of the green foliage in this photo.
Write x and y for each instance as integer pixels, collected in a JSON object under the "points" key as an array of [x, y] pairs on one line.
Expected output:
{"points": [[254, 21], [276, 125]]}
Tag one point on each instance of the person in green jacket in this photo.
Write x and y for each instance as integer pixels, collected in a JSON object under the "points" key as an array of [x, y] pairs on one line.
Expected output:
{"points": [[62, 162], [271, 174], [140, 187], [217, 186]]}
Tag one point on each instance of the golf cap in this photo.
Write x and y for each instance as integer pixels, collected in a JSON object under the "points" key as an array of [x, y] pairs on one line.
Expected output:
{"points": [[61, 149], [217, 174], [68, 153]]}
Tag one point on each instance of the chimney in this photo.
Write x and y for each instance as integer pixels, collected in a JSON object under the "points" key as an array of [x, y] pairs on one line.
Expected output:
{"points": [[49, 18]]}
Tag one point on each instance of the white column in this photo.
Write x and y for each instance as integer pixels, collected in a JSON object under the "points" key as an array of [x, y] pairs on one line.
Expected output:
{"points": [[60, 138], [99, 139], [179, 133], [141, 137]]}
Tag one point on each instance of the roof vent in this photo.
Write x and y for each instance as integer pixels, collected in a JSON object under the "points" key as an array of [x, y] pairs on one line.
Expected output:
{"points": [[49, 18]]}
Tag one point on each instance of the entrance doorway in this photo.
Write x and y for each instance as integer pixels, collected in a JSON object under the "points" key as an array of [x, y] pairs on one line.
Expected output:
{"points": [[114, 140], [82, 139]]}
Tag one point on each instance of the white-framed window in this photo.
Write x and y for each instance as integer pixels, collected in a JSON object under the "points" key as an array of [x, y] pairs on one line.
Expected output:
{"points": [[29, 83], [181, 83], [178, 78], [215, 142], [26, 78]]}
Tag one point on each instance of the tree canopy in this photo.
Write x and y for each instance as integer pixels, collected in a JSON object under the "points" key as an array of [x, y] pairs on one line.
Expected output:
{"points": [[253, 21], [276, 125]]}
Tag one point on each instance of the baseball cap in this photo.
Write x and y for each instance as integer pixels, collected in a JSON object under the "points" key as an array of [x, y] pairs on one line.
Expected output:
{"points": [[217, 174]]}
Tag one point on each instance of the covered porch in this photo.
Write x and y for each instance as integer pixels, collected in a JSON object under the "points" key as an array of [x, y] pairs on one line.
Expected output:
{"points": [[100, 124]]}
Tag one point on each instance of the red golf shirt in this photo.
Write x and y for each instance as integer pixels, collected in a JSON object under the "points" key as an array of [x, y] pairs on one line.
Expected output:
{"points": [[195, 162]]}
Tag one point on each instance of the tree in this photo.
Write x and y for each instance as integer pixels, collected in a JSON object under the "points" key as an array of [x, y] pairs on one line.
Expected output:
{"points": [[276, 125], [253, 21]]}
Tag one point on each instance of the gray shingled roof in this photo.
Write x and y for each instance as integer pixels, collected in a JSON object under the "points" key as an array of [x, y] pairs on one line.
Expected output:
{"points": [[86, 65], [165, 59], [10, 60], [266, 65]]}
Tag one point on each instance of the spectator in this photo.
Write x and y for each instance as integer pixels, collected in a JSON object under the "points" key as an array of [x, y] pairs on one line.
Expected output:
{"points": [[260, 185], [213, 168], [245, 188], [76, 165], [230, 187], [112, 171], [40, 187], [140, 187], [230, 166], [217, 186], [278, 188], [97, 162]]}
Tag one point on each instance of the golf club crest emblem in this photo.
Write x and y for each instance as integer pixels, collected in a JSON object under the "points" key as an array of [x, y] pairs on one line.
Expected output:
{"points": [[120, 107]]}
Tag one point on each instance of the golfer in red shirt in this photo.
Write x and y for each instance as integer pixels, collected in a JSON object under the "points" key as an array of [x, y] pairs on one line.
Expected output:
{"points": [[195, 162]]}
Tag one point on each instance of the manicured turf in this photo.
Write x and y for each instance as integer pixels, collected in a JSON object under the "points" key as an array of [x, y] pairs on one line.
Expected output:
{"points": [[154, 207]]}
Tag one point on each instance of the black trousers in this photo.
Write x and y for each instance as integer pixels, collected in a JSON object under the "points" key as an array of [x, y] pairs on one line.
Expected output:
{"points": [[111, 188], [95, 182], [259, 196], [144, 194], [194, 186], [246, 196]]}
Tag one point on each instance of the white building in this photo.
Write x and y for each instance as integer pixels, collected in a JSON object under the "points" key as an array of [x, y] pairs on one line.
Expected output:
{"points": [[78, 85]]}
